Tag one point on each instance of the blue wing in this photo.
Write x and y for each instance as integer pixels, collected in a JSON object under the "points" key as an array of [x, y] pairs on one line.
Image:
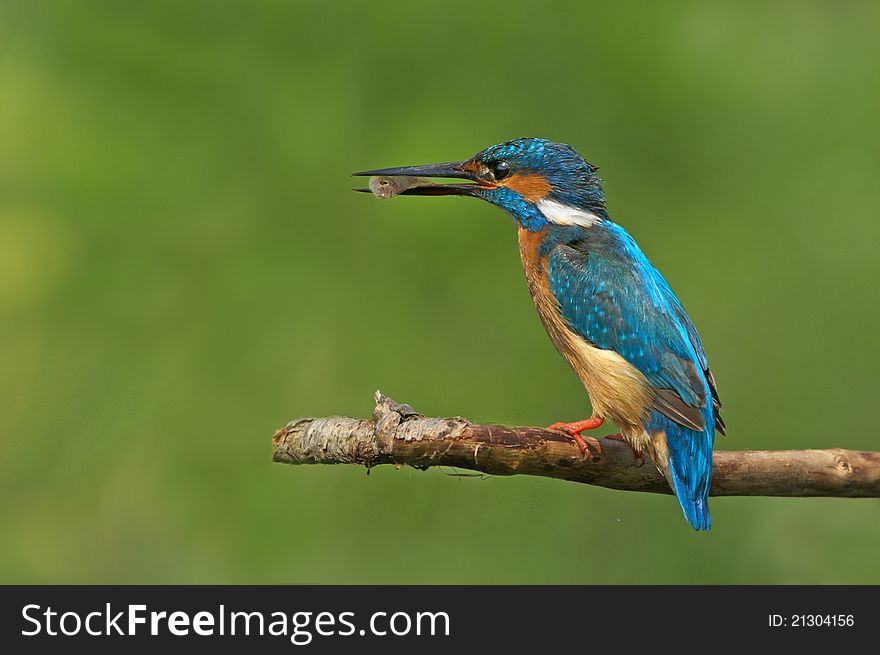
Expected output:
{"points": [[610, 294]]}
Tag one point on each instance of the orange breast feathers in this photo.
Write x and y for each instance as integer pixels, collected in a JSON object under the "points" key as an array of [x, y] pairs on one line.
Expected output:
{"points": [[617, 389]]}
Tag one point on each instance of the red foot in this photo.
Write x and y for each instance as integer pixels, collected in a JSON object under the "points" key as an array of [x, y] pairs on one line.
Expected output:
{"points": [[574, 431], [578, 426], [619, 437]]}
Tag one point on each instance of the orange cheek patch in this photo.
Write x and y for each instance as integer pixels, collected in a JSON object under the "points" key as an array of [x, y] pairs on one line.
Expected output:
{"points": [[531, 187]]}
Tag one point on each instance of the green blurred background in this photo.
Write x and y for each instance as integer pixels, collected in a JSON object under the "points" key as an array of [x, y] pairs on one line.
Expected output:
{"points": [[183, 269]]}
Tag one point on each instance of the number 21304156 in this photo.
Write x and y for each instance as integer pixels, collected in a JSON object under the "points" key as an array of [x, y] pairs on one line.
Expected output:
{"points": [[811, 621]]}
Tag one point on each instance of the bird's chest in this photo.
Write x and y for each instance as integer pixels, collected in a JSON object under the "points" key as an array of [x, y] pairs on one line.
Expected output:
{"points": [[617, 389], [535, 268]]}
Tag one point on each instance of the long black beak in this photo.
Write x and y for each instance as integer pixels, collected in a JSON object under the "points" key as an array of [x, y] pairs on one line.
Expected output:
{"points": [[448, 169]]}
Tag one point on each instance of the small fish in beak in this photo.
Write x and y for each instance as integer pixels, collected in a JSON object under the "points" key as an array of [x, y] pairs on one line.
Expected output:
{"points": [[387, 186], [412, 180]]}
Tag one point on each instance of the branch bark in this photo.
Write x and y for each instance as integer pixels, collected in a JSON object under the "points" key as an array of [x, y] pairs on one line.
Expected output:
{"points": [[397, 434]]}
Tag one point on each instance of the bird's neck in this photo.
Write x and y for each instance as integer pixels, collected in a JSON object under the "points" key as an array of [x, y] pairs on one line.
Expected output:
{"points": [[548, 213], [603, 236], [535, 214], [587, 197]]}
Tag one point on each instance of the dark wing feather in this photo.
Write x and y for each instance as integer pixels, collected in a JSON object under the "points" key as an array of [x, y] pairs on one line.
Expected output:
{"points": [[697, 343], [716, 402]]}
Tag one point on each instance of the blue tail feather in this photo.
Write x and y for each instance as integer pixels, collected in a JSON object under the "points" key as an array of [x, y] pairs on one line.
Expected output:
{"points": [[690, 466], [696, 509]]}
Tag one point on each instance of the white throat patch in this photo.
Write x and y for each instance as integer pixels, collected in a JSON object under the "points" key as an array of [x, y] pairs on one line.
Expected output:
{"points": [[562, 214]]}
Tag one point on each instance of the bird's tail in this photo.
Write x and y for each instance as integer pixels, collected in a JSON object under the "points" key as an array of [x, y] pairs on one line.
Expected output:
{"points": [[686, 460]]}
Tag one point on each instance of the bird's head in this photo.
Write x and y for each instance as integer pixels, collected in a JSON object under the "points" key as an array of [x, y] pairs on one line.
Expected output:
{"points": [[537, 181]]}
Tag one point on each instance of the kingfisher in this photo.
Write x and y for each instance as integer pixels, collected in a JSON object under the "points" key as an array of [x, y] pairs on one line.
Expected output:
{"points": [[608, 311]]}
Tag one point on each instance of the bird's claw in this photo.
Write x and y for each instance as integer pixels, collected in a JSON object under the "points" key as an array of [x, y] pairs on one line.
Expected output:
{"points": [[574, 430], [582, 445], [578, 426]]}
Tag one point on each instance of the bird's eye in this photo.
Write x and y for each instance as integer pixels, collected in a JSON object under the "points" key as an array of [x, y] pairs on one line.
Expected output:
{"points": [[500, 169]]}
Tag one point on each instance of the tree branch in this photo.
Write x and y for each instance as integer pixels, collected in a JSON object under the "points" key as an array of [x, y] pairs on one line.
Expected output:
{"points": [[397, 434]]}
